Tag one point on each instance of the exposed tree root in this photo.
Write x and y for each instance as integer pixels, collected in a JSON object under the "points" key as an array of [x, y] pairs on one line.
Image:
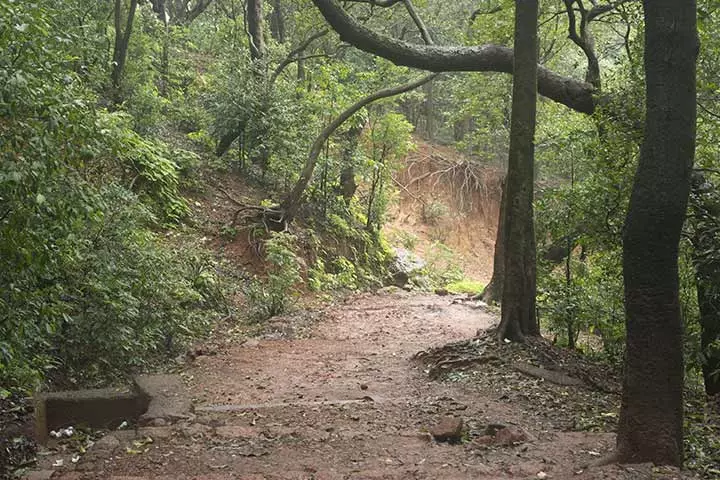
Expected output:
{"points": [[552, 376], [537, 358], [272, 218]]}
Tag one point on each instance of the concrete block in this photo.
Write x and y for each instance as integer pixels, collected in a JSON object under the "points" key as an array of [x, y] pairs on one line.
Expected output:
{"points": [[101, 408]]}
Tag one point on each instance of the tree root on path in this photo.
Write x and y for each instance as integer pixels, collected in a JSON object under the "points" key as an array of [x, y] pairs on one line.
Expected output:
{"points": [[536, 358]]}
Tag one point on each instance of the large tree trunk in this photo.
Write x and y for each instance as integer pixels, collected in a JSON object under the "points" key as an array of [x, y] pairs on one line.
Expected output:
{"points": [[518, 317], [494, 290], [651, 417], [122, 41]]}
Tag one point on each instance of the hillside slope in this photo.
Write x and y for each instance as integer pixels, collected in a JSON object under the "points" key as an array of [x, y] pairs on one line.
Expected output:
{"points": [[444, 197]]}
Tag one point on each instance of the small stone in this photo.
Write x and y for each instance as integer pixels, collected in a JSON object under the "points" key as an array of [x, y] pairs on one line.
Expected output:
{"points": [[39, 475], [108, 443], [363, 386], [493, 428], [156, 433], [159, 422], [511, 436], [237, 431], [195, 430], [425, 436], [484, 440], [448, 430]]}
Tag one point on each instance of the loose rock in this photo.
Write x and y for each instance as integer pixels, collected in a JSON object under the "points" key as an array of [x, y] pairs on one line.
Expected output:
{"points": [[448, 430], [511, 436]]}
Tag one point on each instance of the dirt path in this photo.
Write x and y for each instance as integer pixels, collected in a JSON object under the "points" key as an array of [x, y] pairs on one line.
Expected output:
{"points": [[346, 403]]}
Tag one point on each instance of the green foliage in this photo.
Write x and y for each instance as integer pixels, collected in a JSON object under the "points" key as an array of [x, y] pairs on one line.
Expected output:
{"points": [[434, 211], [388, 141], [87, 290], [407, 240], [341, 274], [442, 266], [148, 163], [471, 287], [279, 290], [702, 437]]}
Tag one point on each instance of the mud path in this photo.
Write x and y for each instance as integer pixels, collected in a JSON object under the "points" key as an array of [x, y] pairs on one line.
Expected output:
{"points": [[346, 403]]}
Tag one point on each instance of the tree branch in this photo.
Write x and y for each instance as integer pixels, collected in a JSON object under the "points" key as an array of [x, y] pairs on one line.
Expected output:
{"points": [[424, 33], [292, 56], [583, 39], [292, 202], [482, 11], [196, 11], [486, 58], [378, 3]]}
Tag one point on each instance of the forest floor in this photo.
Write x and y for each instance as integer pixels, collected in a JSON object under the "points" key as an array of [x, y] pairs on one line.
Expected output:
{"points": [[337, 393]]}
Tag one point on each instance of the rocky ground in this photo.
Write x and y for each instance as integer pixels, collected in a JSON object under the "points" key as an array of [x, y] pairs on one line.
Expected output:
{"points": [[345, 397]]}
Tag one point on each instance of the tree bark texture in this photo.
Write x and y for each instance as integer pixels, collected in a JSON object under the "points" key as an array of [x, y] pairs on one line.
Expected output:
{"points": [[277, 22], [651, 417], [292, 202], [518, 317], [122, 41], [494, 290], [485, 58], [256, 22]]}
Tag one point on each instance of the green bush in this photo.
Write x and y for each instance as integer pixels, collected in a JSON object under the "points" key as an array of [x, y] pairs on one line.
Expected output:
{"points": [[87, 290], [278, 292]]}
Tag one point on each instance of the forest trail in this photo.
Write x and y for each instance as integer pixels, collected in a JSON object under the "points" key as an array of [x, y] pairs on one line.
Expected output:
{"points": [[347, 401]]}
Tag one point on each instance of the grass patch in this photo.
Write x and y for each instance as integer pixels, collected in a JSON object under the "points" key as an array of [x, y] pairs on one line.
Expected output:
{"points": [[465, 286]]}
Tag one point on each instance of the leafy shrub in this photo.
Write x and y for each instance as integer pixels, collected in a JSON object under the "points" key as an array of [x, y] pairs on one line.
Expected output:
{"points": [[407, 240], [434, 211], [87, 290], [148, 164], [442, 266], [276, 294], [466, 286], [341, 274]]}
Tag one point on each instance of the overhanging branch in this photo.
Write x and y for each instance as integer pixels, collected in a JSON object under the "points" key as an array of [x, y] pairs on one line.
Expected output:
{"points": [[486, 58]]}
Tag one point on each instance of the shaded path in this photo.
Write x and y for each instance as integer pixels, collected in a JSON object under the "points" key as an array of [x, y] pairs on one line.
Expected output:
{"points": [[346, 403]]}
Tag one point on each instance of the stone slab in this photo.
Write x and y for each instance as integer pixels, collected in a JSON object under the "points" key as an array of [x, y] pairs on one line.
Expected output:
{"points": [[100, 408], [167, 398]]}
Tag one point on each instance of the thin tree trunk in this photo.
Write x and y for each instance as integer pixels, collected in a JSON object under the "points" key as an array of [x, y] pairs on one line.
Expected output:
{"points": [[493, 291], [122, 41], [518, 316], [256, 23], [348, 186], [708, 292], [292, 202], [651, 416], [705, 224], [277, 22], [429, 111]]}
